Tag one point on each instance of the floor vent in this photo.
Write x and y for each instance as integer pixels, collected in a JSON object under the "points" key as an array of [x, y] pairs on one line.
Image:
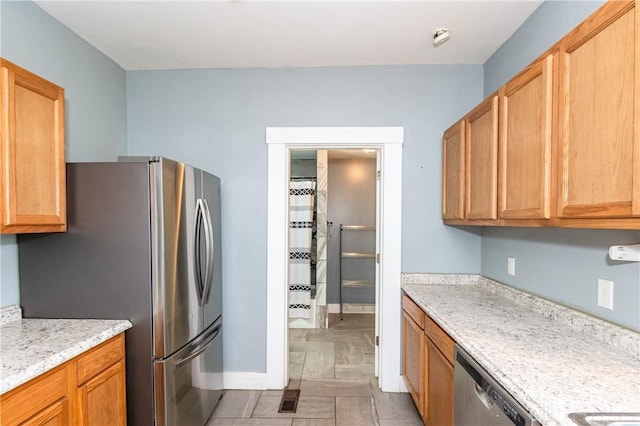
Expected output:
{"points": [[289, 402]]}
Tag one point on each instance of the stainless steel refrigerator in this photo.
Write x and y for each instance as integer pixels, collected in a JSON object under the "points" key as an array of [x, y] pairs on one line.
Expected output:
{"points": [[143, 243]]}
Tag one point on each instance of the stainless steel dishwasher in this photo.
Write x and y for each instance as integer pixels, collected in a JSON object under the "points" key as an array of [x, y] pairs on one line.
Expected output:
{"points": [[480, 400]]}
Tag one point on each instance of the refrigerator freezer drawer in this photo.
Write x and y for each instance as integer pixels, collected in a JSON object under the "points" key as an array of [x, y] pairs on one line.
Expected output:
{"points": [[188, 385]]}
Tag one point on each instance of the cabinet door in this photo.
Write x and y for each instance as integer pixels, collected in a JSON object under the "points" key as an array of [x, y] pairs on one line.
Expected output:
{"points": [[482, 161], [413, 359], [453, 172], [439, 384], [32, 170], [57, 414], [525, 143], [101, 400], [598, 150], [38, 401]]}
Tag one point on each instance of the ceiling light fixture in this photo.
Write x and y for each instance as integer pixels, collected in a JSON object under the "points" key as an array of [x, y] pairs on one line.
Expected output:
{"points": [[440, 36]]}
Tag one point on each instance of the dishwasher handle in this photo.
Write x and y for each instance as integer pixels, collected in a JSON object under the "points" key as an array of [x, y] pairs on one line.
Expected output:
{"points": [[483, 396], [481, 387]]}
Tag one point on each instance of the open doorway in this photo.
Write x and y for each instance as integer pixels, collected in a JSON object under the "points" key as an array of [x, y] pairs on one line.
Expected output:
{"points": [[332, 264], [388, 141]]}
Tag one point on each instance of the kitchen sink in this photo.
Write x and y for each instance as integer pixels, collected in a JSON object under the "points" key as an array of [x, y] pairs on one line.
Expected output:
{"points": [[606, 419]]}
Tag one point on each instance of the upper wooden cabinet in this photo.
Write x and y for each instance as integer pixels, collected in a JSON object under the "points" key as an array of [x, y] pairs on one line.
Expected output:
{"points": [[524, 181], [32, 166], [453, 171], [569, 125], [482, 161], [598, 114]]}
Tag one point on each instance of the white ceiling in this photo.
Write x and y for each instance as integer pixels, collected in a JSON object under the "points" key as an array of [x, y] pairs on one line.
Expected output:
{"points": [[181, 34]]}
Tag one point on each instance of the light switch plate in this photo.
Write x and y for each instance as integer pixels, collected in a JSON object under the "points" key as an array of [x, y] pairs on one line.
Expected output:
{"points": [[605, 294]]}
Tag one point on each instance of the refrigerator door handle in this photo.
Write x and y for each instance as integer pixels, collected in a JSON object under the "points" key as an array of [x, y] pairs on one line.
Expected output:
{"points": [[197, 257], [203, 346], [209, 244]]}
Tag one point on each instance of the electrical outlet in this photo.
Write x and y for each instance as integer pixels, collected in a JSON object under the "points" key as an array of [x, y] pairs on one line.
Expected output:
{"points": [[511, 265], [605, 294]]}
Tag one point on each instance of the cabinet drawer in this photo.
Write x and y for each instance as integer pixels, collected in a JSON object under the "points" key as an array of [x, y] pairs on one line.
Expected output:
{"points": [[413, 310], [100, 358], [440, 338], [34, 396]]}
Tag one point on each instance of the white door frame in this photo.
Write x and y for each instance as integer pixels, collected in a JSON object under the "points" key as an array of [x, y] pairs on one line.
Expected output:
{"points": [[388, 140]]}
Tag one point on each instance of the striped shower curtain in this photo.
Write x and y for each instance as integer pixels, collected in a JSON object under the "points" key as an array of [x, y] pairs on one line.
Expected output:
{"points": [[301, 198]]}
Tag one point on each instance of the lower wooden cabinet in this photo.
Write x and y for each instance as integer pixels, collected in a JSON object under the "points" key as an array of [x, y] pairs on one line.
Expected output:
{"points": [[427, 365], [41, 401], [438, 402], [57, 414], [82, 391], [101, 400], [413, 360]]}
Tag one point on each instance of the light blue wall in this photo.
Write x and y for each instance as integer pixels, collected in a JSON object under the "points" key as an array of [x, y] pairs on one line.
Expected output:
{"points": [[546, 25], [216, 119], [351, 200], [95, 98], [564, 265], [560, 264]]}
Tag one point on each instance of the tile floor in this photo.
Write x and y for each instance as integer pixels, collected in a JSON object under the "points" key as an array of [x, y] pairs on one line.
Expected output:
{"points": [[333, 368]]}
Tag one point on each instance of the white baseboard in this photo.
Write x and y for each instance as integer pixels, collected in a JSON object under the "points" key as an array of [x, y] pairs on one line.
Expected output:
{"points": [[258, 381], [352, 308], [395, 385], [245, 381]]}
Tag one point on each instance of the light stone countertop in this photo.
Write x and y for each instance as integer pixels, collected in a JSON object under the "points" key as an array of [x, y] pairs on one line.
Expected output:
{"points": [[30, 347], [552, 359]]}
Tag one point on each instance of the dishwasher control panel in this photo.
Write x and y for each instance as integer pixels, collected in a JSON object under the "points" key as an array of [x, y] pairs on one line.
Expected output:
{"points": [[507, 409]]}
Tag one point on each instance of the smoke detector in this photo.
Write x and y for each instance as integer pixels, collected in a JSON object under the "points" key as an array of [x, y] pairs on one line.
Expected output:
{"points": [[440, 36]]}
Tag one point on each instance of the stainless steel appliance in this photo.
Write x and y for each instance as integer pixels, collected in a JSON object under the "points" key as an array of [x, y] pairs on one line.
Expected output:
{"points": [[143, 243], [480, 400]]}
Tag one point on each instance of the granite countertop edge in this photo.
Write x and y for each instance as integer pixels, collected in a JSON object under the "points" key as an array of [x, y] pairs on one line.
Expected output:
{"points": [[613, 334], [546, 402], [31, 347]]}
